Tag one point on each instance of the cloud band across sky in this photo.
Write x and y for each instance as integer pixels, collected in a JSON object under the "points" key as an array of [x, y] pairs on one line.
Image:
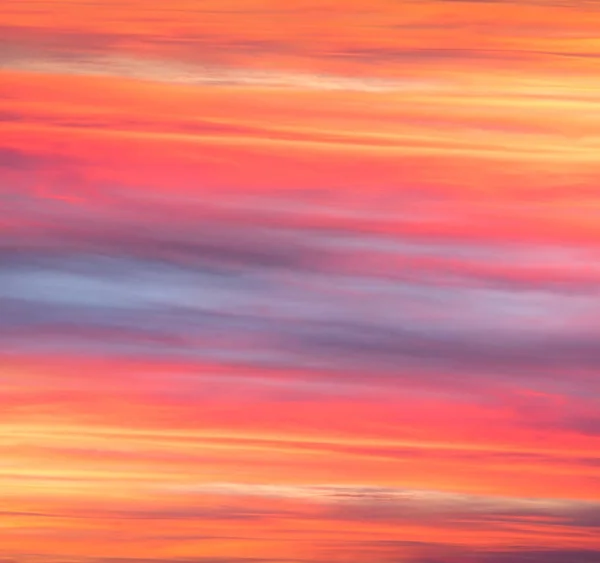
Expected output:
{"points": [[306, 283]]}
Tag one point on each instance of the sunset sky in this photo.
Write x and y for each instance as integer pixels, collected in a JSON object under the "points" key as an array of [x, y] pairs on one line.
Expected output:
{"points": [[299, 281]]}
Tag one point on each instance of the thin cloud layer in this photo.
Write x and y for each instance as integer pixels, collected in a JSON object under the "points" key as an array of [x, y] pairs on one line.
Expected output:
{"points": [[295, 284]]}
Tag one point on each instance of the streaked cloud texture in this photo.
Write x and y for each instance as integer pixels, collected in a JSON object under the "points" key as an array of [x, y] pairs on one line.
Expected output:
{"points": [[299, 282]]}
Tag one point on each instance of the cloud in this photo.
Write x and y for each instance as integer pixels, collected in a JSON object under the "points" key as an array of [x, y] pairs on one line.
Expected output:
{"points": [[395, 505], [294, 293], [338, 503], [589, 425], [393, 551], [25, 160], [537, 556], [466, 511], [175, 72]]}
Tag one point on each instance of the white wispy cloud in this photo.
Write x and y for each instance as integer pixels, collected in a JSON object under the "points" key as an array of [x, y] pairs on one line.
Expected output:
{"points": [[177, 72]]}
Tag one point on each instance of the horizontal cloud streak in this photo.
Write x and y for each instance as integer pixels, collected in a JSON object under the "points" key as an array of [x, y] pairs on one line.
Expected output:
{"points": [[294, 293], [295, 283]]}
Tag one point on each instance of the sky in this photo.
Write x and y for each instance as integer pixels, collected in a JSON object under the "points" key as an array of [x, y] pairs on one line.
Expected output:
{"points": [[314, 281]]}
